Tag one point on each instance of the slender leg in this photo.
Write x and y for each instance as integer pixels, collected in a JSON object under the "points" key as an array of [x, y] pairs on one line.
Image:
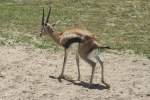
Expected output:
{"points": [[93, 69], [64, 63], [102, 68], [93, 64], [78, 66], [102, 71]]}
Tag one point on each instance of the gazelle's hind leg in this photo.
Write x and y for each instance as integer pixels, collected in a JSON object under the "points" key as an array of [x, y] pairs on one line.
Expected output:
{"points": [[78, 66], [93, 70], [94, 57], [102, 67], [102, 71], [93, 64]]}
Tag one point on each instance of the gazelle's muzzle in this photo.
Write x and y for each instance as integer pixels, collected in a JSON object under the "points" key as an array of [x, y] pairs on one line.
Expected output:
{"points": [[41, 34]]}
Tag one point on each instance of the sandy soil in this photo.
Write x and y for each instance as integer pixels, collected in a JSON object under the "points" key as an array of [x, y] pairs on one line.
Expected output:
{"points": [[31, 74]]}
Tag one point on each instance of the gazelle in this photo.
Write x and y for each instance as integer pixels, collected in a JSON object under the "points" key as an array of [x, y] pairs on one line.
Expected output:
{"points": [[86, 40]]}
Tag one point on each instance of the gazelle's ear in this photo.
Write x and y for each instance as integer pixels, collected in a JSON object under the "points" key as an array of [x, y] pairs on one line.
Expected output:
{"points": [[56, 23]]}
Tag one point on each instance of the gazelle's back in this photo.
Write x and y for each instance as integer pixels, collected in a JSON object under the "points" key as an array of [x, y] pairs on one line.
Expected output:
{"points": [[78, 32], [75, 35]]}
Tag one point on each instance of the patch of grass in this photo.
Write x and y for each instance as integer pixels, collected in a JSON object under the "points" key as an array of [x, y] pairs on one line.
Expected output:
{"points": [[24, 39], [122, 24], [11, 38]]}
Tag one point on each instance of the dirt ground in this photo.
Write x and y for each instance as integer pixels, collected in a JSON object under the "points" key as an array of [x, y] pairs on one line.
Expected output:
{"points": [[27, 73]]}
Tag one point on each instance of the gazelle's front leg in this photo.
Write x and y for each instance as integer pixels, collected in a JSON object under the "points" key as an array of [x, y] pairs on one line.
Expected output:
{"points": [[78, 66], [64, 63]]}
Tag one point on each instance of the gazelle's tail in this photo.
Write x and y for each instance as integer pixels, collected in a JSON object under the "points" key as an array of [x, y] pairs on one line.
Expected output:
{"points": [[102, 48]]}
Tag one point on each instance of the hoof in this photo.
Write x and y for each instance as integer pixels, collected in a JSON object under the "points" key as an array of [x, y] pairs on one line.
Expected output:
{"points": [[78, 79], [106, 84], [60, 77]]}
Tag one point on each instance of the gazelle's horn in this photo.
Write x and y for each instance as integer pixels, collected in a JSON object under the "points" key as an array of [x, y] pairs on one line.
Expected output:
{"points": [[48, 15], [43, 18]]}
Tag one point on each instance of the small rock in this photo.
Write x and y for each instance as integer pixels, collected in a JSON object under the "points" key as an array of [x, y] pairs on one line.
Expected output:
{"points": [[144, 64], [2, 76], [147, 94]]}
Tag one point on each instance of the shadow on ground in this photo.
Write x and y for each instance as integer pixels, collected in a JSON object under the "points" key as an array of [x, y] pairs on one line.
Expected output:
{"points": [[83, 84]]}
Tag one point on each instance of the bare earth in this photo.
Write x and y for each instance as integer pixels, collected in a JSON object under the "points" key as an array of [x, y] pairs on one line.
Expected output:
{"points": [[31, 74]]}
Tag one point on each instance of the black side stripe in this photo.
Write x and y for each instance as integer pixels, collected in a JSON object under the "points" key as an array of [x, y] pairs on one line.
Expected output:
{"points": [[73, 40]]}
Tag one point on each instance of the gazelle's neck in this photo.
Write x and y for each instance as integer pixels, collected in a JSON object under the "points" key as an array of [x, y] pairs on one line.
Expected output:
{"points": [[56, 37]]}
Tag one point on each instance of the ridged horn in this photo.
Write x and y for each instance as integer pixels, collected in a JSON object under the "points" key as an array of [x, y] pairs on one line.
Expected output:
{"points": [[43, 18], [47, 19]]}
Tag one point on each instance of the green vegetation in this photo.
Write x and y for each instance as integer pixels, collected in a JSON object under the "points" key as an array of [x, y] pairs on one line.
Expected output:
{"points": [[11, 39], [122, 24]]}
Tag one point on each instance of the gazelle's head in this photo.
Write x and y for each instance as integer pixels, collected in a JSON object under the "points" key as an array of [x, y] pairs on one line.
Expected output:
{"points": [[47, 28]]}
